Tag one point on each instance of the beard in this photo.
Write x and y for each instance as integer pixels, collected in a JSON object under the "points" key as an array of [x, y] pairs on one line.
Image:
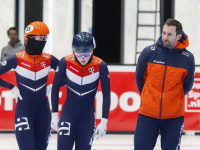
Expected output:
{"points": [[167, 44]]}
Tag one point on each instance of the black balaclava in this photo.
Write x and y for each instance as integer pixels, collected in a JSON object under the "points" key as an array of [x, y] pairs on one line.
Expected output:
{"points": [[34, 47]]}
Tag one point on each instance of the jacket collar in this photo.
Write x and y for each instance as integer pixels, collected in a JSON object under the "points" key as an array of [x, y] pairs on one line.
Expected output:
{"points": [[33, 55]]}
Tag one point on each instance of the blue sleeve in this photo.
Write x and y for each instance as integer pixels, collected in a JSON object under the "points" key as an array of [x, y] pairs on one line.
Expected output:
{"points": [[5, 66], [60, 72], [140, 70], [54, 64], [105, 84], [189, 79]]}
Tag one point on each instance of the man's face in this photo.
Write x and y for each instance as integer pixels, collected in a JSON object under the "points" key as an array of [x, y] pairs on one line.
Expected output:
{"points": [[13, 36], [169, 37]]}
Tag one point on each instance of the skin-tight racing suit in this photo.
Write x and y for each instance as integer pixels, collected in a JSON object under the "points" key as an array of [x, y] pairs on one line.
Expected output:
{"points": [[32, 114], [77, 121]]}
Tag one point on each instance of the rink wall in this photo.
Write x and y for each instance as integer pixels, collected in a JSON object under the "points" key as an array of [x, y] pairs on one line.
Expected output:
{"points": [[125, 101]]}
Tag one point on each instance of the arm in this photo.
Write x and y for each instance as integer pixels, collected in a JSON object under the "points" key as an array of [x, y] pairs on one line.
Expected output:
{"points": [[54, 64], [60, 72], [105, 84], [189, 79], [140, 70], [5, 66]]}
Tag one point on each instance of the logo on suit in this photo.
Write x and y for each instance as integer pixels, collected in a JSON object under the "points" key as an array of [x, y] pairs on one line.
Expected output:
{"points": [[64, 128], [22, 124], [43, 64], [91, 70]]}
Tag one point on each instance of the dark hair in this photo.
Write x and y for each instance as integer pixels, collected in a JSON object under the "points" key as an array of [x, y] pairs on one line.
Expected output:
{"points": [[176, 23], [12, 28]]}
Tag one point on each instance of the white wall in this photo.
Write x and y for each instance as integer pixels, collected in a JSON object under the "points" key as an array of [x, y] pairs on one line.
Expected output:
{"points": [[188, 13], [86, 15], [130, 18], [58, 15], [7, 20]]}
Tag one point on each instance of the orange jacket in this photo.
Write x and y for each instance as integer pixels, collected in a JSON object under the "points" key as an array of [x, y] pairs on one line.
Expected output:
{"points": [[163, 77]]}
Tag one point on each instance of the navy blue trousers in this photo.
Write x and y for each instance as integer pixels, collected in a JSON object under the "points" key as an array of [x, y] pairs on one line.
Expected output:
{"points": [[148, 129], [32, 124]]}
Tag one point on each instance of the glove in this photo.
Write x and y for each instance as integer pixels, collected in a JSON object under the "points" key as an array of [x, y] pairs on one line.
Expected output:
{"points": [[49, 87], [16, 92], [101, 128], [54, 121]]}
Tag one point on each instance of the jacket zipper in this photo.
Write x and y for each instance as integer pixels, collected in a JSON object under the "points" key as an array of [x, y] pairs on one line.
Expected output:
{"points": [[162, 93], [81, 79], [163, 87]]}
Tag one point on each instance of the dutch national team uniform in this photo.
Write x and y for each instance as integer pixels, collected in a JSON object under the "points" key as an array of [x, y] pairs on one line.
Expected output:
{"points": [[32, 116], [77, 121]]}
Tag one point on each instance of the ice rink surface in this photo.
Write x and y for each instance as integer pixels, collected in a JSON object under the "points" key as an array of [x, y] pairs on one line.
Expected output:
{"points": [[108, 142]]}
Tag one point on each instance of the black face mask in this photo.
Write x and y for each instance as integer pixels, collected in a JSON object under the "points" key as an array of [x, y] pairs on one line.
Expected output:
{"points": [[34, 47]]}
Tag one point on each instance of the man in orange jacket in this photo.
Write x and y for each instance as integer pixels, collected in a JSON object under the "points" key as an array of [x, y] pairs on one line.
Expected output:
{"points": [[164, 74]]}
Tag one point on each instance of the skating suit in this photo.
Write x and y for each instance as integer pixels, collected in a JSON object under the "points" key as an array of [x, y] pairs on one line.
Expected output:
{"points": [[32, 114], [77, 121]]}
